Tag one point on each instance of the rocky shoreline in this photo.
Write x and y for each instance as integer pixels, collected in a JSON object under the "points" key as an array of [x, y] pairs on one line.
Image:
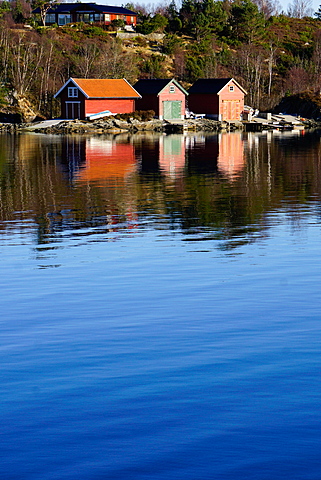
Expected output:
{"points": [[114, 126], [117, 126]]}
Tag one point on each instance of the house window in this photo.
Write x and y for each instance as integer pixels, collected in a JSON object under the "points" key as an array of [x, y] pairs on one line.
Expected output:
{"points": [[107, 17], [72, 92], [50, 18], [97, 17], [132, 20], [172, 89], [63, 19], [231, 88]]}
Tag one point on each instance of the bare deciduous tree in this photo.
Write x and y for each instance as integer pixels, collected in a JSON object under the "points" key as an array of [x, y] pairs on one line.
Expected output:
{"points": [[269, 8], [298, 80], [300, 8], [26, 58]]}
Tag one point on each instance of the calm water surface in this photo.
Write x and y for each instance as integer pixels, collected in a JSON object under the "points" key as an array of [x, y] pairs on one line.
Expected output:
{"points": [[160, 301]]}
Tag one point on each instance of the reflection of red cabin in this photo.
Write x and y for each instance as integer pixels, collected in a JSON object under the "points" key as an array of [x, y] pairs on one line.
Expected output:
{"points": [[230, 160], [220, 98], [107, 159], [166, 97], [81, 97]]}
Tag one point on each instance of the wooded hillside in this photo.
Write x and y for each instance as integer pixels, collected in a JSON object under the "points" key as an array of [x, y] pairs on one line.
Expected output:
{"points": [[270, 55]]}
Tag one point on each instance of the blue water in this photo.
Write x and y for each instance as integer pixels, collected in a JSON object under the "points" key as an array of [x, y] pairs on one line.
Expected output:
{"points": [[177, 342]]}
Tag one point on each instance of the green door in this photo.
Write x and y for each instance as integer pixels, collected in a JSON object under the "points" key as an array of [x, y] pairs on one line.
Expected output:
{"points": [[172, 110], [176, 110]]}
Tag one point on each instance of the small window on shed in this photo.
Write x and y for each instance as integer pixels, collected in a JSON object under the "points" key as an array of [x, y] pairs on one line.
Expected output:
{"points": [[72, 92], [172, 89], [231, 88]]}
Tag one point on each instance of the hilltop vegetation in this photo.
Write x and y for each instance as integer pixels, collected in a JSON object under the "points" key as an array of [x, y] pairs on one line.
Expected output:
{"points": [[272, 55]]}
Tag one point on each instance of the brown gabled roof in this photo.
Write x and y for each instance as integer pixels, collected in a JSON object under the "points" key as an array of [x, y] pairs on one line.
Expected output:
{"points": [[103, 88]]}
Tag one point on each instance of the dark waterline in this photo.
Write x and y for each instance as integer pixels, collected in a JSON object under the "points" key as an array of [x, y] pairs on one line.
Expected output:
{"points": [[160, 307]]}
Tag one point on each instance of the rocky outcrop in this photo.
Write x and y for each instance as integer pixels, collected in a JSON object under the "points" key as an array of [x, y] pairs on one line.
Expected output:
{"points": [[131, 125], [18, 109], [98, 127], [25, 108], [156, 37], [306, 105]]}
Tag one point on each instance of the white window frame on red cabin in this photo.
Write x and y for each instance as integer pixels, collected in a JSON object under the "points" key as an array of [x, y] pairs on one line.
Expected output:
{"points": [[72, 92]]}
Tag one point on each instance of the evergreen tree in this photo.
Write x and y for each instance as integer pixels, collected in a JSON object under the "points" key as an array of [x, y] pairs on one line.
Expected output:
{"points": [[174, 22], [216, 15], [318, 13], [246, 22]]}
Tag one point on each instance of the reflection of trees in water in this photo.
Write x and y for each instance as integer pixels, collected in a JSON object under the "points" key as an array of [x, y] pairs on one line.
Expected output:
{"points": [[287, 169], [188, 184]]}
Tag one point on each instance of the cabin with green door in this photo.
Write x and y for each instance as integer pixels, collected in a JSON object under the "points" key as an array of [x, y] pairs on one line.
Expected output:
{"points": [[166, 97]]}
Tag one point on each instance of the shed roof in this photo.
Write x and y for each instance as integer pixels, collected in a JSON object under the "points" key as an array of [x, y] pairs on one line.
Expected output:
{"points": [[103, 88], [212, 85], [69, 7], [154, 86]]}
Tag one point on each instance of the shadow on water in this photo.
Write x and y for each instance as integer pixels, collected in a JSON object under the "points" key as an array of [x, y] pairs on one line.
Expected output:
{"points": [[219, 187]]}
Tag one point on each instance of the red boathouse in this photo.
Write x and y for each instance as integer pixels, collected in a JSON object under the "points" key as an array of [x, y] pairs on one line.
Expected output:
{"points": [[82, 97]]}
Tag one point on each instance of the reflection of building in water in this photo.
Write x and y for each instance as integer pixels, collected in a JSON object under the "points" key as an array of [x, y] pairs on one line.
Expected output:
{"points": [[202, 153], [160, 154], [107, 159], [108, 163], [172, 154], [230, 160], [74, 154], [147, 153]]}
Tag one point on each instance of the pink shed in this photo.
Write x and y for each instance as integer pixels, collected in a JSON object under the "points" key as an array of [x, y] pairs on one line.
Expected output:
{"points": [[220, 98], [166, 97]]}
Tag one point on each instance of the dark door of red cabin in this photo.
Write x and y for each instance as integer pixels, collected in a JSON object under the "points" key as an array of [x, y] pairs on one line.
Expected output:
{"points": [[72, 110]]}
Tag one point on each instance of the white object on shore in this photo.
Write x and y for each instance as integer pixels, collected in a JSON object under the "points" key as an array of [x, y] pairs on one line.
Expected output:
{"points": [[94, 116]]}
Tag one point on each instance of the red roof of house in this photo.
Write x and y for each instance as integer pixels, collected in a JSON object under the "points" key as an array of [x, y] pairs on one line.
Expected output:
{"points": [[103, 88]]}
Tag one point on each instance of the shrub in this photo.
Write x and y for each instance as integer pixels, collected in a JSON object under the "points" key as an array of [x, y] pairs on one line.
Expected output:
{"points": [[141, 41], [141, 115], [117, 23]]}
